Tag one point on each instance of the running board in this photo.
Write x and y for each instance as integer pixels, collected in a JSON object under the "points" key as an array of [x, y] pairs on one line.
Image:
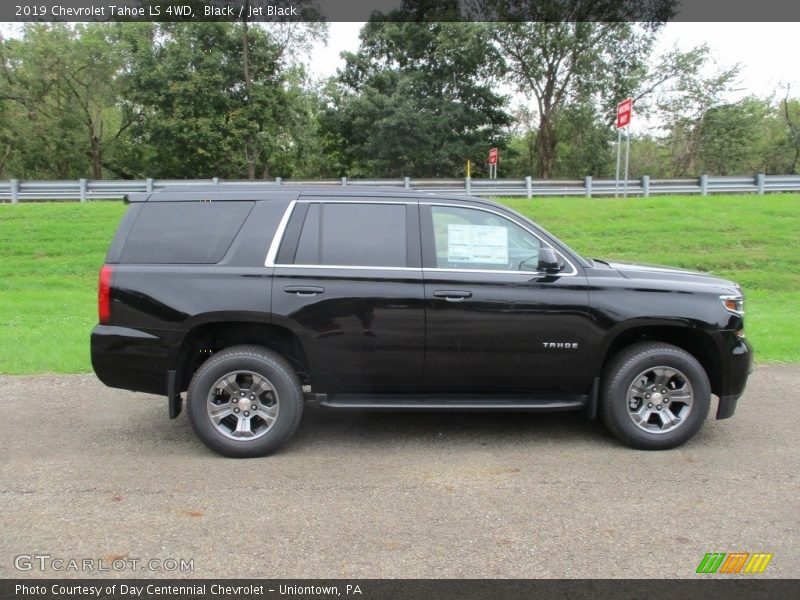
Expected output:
{"points": [[456, 402]]}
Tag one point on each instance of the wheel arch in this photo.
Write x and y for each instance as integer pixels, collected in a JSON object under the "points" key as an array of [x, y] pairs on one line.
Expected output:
{"points": [[695, 341], [206, 339]]}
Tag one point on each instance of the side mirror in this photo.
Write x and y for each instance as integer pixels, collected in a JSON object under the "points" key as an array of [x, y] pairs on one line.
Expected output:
{"points": [[548, 260]]}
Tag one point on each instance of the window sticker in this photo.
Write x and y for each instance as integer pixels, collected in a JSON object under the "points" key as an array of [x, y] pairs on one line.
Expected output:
{"points": [[477, 244]]}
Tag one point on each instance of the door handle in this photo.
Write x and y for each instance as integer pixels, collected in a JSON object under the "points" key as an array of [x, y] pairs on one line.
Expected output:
{"points": [[452, 295], [304, 290]]}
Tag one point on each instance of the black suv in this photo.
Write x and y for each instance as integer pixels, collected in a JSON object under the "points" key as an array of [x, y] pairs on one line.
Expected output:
{"points": [[257, 298]]}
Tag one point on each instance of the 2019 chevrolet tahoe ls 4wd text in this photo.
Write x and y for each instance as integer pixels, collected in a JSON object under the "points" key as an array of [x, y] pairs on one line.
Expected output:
{"points": [[254, 299]]}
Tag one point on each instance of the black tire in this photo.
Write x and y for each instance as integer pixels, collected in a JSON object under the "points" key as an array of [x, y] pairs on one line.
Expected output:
{"points": [[616, 408], [288, 397]]}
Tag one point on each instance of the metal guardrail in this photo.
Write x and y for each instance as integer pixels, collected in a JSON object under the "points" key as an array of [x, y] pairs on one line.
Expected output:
{"points": [[16, 190]]}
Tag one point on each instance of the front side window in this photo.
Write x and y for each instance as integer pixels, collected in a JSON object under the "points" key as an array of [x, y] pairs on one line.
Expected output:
{"points": [[466, 238], [353, 234]]}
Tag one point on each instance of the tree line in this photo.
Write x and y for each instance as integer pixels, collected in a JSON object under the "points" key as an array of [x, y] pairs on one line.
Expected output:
{"points": [[235, 100]]}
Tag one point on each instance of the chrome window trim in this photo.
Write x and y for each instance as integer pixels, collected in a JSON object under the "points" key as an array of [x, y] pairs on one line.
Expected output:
{"points": [[367, 200], [277, 239], [279, 233], [499, 272], [351, 267]]}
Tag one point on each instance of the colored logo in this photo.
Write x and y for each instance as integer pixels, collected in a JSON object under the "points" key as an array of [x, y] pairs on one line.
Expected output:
{"points": [[734, 562]]}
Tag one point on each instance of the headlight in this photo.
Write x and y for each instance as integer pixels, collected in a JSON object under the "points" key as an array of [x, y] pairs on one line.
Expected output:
{"points": [[734, 304]]}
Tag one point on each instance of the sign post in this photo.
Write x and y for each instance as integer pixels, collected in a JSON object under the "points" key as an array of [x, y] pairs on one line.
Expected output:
{"points": [[492, 160], [624, 110], [616, 179]]}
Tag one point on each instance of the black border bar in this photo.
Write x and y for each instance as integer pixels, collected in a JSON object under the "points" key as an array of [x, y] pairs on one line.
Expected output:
{"points": [[705, 587], [415, 10]]}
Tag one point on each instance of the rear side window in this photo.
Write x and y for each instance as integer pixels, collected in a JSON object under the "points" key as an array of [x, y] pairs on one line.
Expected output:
{"points": [[357, 234], [184, 232]]}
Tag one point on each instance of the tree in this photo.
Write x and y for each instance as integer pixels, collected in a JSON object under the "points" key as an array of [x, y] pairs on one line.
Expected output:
{"points": [[586, 142], [94, 88], [287, 37], [417, 99], [584, 146], [565, 63], [731, 139], [520, 157], [684, 105], [649, 156], [789, 111], [61, 85], [213, 99]]}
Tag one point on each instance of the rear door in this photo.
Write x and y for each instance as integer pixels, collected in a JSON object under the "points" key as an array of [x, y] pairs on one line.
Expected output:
{"points": [[348, 282], [494, 323]]}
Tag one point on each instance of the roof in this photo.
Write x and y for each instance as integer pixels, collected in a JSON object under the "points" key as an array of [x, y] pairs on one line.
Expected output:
{"points": [[266, 191]]}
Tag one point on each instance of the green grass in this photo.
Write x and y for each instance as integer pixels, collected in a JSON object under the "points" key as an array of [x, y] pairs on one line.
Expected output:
{"points": [[50, 256], [51, 253]]}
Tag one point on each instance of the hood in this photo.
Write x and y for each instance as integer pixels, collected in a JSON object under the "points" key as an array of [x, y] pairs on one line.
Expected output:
{"points": [[656, 272]]}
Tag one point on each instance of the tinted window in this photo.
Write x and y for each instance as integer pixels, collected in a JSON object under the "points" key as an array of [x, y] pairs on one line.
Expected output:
{"points": [[466, 238], [308, 246], [362, 235], [184, 232]]}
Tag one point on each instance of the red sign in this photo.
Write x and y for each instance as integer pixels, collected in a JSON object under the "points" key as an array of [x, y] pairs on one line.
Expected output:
{"points": [[624, 112], [493, 156]]}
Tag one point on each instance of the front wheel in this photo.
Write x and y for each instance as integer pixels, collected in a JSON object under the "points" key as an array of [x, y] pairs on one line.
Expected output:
{"points": [[245, 401], [655, 396]]}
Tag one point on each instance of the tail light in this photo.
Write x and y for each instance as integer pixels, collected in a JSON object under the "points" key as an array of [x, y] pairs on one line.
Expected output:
{"points": [[104, 295]]}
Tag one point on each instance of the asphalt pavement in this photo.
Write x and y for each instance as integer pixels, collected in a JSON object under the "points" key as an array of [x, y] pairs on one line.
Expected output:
{"points": [[87, 472]]}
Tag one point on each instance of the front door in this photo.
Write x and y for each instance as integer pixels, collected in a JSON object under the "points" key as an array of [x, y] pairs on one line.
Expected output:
{"points": [[494, 323]]}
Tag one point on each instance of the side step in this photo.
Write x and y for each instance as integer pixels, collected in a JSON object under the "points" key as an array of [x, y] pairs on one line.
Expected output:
{"points": [[455, 402]]}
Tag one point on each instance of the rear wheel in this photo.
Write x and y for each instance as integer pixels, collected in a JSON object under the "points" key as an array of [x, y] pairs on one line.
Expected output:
{"points": [[245, 401], [655, 396]]}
